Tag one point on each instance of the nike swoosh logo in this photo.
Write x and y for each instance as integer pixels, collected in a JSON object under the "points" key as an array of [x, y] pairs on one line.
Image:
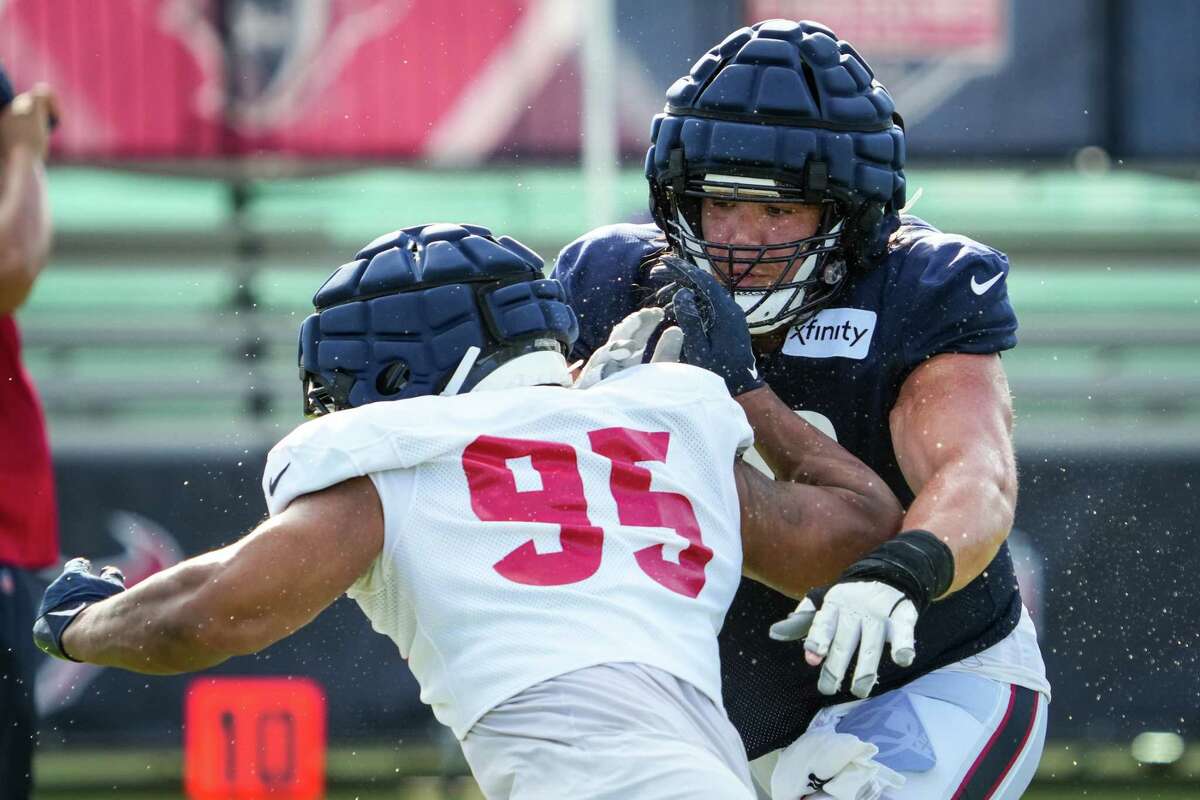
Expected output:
{"points": [[275, 481], [980, 288], [68, 613]]}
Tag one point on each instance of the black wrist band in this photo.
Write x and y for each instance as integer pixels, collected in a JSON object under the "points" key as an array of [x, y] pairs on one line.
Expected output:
{"points": [[916, 562]]}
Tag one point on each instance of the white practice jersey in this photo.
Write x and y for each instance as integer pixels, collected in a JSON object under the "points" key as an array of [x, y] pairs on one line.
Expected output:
{"points": [[535, 531]]}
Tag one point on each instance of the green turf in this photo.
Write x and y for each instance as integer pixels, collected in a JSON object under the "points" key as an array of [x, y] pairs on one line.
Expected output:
{"points": [[410, 771], [464, 789]]}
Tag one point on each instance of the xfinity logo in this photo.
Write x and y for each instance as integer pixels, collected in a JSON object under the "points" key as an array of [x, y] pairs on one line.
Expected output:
{"points": [[842, 332]]}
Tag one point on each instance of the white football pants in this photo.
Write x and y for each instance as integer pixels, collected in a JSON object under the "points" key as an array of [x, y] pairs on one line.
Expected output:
{"points": [[953, 735], [609, 732]]}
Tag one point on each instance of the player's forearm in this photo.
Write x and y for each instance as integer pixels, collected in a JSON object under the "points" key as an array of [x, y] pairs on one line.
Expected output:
{"points": [[968, 503], [24, 226], [952, 434], [243, 597], [156, 627], [797, 537]]}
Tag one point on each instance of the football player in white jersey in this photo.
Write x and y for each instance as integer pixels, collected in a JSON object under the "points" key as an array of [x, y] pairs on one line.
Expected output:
{"points": [[554, 564]]}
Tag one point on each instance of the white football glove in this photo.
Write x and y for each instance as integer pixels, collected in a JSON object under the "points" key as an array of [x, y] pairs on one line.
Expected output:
{"points": [[838, 765], [856, 615], [626, 347]]}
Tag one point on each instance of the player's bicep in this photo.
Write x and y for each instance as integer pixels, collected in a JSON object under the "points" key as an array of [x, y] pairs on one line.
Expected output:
{"points": [[953, 408], [295, 564]]}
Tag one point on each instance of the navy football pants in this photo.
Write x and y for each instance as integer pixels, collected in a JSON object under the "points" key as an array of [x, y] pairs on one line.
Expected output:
{"points": [[18, 663]]}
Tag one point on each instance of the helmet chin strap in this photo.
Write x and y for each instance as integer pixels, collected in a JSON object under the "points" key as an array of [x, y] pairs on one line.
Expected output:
{"points": [[461, 371], [699, 261], [539, 368]]}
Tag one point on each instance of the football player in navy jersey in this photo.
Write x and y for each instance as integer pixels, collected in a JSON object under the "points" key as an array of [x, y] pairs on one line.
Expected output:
{"points": [[777, 167]]}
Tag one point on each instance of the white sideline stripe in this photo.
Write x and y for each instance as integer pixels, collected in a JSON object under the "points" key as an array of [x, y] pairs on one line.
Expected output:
{"points": [[487, 110]]}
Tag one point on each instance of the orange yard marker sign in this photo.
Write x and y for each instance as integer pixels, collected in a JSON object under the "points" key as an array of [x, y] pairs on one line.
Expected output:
{"points": [[250, 738]]}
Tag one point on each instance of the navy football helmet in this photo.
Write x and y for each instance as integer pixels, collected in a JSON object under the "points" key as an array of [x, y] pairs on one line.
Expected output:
{"points": [[780, 112], [426, 310]]}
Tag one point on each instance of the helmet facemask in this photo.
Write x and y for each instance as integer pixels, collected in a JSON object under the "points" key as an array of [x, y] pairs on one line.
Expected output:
{"points": [[813, 268]]}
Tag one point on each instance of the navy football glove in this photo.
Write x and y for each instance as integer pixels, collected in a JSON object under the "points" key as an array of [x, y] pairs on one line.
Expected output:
{"points": [[715, 336], [70, 593]]}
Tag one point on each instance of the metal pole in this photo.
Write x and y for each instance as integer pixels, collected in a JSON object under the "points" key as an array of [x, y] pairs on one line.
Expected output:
{"points": [[600, 126], [1113, 81], [248, 244]]}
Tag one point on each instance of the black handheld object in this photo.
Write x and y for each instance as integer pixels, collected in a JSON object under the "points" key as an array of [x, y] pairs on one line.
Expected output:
{"points": [[7, 94], [6, 90]]}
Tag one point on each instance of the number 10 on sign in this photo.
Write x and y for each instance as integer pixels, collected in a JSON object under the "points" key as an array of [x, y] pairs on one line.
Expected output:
{"points": [[250, 738]]}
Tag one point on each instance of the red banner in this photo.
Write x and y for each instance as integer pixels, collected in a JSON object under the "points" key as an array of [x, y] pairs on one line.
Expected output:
{"points": [[923, 30], [446, 80]]}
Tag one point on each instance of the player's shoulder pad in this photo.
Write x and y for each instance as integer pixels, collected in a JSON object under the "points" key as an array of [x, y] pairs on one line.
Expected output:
{"points": [[355, 442], [925, 258], [949, 293], [599, 272], [613, 248]]}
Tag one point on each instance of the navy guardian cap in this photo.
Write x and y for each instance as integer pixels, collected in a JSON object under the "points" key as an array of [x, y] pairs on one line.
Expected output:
{"points": [[426, 310]]}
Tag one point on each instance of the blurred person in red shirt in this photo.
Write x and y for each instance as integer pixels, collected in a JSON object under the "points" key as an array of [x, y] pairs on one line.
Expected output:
{"points": [[28, 516]]}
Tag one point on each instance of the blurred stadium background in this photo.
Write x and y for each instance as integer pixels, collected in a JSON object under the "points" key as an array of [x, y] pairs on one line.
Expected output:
{"points": [[218, 158]]}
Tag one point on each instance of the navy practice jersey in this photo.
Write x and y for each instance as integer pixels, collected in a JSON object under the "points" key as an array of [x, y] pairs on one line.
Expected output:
{"points": [[933, 293]]}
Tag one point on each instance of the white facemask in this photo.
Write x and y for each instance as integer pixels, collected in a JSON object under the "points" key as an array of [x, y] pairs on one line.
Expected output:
{"points": [[777, 302]]}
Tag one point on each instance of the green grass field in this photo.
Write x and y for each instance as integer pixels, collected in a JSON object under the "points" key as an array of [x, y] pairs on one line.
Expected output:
{"points": [[433, 790], [411, 772]]}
